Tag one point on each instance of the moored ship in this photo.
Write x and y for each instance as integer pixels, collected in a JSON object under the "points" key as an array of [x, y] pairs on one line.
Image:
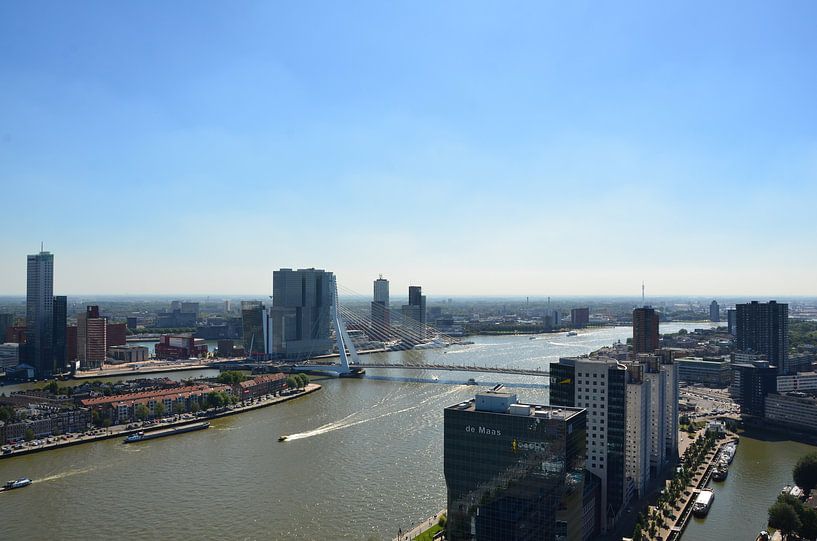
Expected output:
{"points": [[143, 436], [702, 503]]}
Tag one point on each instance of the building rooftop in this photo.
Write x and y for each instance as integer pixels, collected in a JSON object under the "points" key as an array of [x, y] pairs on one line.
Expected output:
{"points": [[502, 402]]}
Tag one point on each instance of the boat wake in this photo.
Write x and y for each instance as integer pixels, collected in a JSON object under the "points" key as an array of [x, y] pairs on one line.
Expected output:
{"points": [[64, 474], [350, 421]]}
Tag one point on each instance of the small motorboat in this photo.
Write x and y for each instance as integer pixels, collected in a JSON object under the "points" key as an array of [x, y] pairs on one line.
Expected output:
{"points": [[282, 438], [18, 483]]}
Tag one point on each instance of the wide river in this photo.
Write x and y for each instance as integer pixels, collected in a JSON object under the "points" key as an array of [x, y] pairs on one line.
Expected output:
{"points": [[364, 458]]}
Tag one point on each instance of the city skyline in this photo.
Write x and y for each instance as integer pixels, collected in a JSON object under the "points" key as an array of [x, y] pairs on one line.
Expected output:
{"points": [[463, 147]]}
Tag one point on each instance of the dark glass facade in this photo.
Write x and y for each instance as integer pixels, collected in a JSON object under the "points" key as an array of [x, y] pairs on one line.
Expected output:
{"points": [[507, 474], [562, 384], [60, 333], [616, 433], [763, 328]]}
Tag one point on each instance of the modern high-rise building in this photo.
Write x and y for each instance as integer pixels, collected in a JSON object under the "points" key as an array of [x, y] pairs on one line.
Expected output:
{"points": [[732, 321], [381, 318], [751, 382], [6, 322], [414, 316], [599, 385], [39, 346], [637, 454], [763, 328], [60, 333], [714, 311], [92, 343], [515, 471], [580, 317], [255, 326], [300, 312], [645, 330]]}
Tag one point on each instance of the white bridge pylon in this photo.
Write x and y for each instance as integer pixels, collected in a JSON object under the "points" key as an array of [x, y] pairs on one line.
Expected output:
{"points": [[341, 334], [344, 342]]}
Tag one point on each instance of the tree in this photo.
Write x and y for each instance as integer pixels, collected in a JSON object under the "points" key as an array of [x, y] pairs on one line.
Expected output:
{"points": [[178, 408], [53, 387], [29, 434], [195, 408], [808, 517], [159, 409], [805, 472], [291, 382], [784, 517], [230, 377], [442, 520], [141, 412]]}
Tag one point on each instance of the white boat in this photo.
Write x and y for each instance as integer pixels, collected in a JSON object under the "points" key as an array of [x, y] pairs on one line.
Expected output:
{"points": [[434, 378], [702, 503], [437, 343], [572, 333], [17, 483]]}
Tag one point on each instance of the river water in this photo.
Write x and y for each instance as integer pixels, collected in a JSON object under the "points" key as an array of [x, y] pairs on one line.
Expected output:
{"points": [[364, 458]]}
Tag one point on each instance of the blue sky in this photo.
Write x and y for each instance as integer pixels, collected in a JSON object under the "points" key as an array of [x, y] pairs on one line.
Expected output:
{"points": [[473, 148]]}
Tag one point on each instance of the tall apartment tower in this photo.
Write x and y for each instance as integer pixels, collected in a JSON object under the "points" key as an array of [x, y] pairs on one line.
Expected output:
{"points": [[514, 471], [60, 333], [300, 313], [381, 318], [39, 347], [714, 312], [414, 315], [645, 330], [763, 328], [599, 385], [637, 454], [92, 338]]}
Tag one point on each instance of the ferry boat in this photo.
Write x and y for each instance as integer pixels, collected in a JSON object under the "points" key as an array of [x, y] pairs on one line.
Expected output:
{"points": [[144, 436], [702, 503], [471, 381], [18, 483], [572, 333]]}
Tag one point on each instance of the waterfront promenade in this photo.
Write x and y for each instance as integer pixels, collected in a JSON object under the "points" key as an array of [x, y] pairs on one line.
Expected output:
{"points": [[421, 527], [117, 431]]}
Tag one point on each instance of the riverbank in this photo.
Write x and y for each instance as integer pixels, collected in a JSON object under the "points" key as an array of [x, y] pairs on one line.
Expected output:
{"points": [[118, 431], [130, 371]]}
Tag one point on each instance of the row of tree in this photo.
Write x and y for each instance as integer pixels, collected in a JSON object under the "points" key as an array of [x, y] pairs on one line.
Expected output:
{"points": [[297, 381], [665, 508], [788, 514]]}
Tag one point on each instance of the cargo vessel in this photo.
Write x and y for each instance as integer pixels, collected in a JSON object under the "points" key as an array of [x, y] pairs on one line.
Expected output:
{"points": [[143, 436]]}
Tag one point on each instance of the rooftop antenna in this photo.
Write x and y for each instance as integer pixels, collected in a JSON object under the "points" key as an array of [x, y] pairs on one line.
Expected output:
{"points": [[41, 246], [643, 302]]}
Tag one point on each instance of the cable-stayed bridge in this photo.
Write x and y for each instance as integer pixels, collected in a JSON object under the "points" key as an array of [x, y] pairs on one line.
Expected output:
{"points": [[357, 323]]}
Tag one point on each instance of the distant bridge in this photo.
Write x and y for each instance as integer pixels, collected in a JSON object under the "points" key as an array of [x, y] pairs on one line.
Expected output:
{"points": [[459, 368]]}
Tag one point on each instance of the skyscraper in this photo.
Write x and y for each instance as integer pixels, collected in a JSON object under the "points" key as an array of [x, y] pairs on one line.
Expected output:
{"points": [[763, 328], [92, 338], [514, 471], [599, 385], [414, 316], [39, 352], [60, 333], [645, 330], [714, 311], [300, 312], [732, 321], [381, 318]]}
